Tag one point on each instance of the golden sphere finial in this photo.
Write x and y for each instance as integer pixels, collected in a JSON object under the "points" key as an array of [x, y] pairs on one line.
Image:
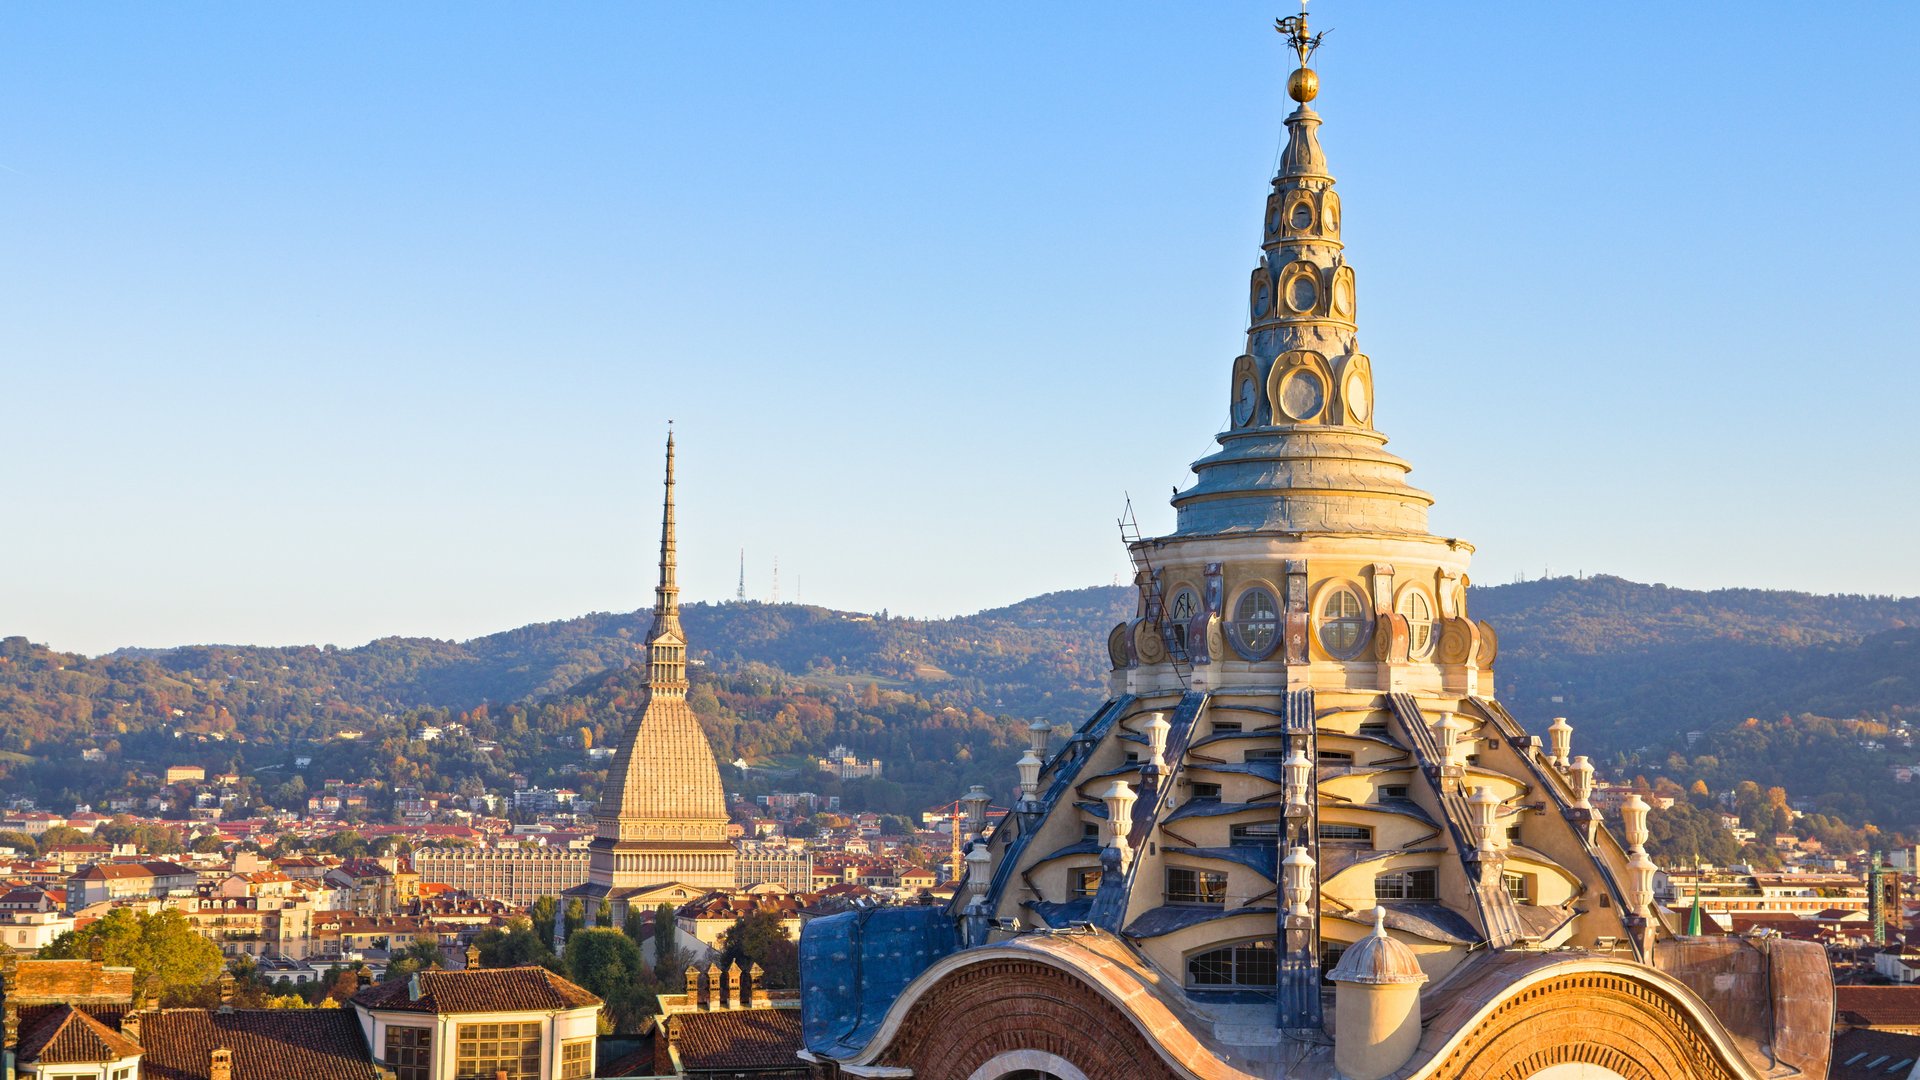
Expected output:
{"points": [[1303, 85]]}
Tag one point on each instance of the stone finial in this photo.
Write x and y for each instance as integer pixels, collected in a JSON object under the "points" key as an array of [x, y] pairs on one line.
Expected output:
{"points": [[1560, 742], [1157, 729], [1580, 775], [1038, 734], [1029, 769]]}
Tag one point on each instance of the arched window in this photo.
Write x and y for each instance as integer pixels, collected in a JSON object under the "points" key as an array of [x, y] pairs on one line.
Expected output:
{"points": [[1343, 622], [1418, 611], [1180, 614], [1250, 963], [1256, 623]]}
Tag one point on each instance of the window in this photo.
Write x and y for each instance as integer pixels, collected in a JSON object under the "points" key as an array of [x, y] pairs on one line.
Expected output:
{"points": [[576, 1059], [1333, 832], [1085, 883], [123, 1074], [1266, 753], [1226, 727], [1179, 619], [488, 1049], [1089, 830], [1196, 886], [1519, 886], [1407, 885], [1260, 834], [1250, 963], [1205, 793], [1343, 622], [1395, 791], [1330, 953], [410, 1052], [1334, 757], [1418, 611], [1256, 623]]}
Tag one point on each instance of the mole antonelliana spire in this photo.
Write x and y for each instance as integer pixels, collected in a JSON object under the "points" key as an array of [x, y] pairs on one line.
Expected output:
{"points": [[666, 642], [661, 822]]}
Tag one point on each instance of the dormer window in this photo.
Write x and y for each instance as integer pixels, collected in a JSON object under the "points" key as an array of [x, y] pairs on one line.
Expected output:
{"points": [[1394, 791], [1422, 884], [1204, 793], [1186, 886], [1226, 727]]}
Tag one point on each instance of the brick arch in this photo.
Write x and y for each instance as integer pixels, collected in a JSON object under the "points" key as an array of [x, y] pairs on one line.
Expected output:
{"points": [[982, 1011], [1593, 1018]]}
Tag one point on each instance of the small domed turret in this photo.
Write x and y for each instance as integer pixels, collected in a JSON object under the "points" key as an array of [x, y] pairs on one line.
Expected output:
{"points": [[1376, 1024]]}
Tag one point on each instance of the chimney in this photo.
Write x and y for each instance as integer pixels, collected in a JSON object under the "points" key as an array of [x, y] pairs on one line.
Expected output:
{"points": [[757, 993], [734, 1000], [694, 997], [473, 956], [225, 983], [714, 986], [220, 1064], [130, 1025]]}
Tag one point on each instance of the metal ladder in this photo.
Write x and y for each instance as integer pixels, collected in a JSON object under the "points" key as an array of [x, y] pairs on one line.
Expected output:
{"points": [[1148, 580]]}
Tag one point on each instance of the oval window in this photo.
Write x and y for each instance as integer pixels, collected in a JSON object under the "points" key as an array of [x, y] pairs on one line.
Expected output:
{"points": [[1343, 622], [1256, 623], [1418, 611]]}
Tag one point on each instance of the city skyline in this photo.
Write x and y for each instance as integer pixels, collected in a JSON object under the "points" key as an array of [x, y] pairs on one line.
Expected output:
{"points": [[324, 326]]}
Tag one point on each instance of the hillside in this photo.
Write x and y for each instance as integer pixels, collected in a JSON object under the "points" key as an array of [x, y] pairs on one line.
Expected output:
{"points": [[1635, 666]]}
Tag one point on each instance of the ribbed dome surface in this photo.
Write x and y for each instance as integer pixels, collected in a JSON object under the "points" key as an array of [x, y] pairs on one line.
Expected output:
{"points": [[1378, 959]]}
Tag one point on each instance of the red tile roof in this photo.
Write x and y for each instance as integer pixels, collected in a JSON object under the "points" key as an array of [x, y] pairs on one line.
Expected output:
{"points": [[1878, 1006], [523, 989], [267, 1044], [737, 1038], [67, 1036]]}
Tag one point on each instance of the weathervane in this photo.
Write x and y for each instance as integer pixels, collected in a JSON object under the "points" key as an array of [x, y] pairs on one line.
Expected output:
{"points": [[1295, 28], [1303, 85]]}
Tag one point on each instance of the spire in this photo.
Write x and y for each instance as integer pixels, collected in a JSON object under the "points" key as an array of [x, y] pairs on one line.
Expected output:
{"points": [[666, 643], [1301, 453]]}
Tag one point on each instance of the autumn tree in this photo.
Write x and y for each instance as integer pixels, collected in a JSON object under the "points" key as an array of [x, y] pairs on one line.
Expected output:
{"points": [[161, 945]]}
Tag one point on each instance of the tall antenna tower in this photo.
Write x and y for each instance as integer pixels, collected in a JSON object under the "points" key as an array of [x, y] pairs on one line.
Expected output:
{"points": [[776, 579], [740, 593]]}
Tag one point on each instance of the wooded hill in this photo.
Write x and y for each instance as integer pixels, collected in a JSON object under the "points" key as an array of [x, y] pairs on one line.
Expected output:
{"points": [[1636, 668]]}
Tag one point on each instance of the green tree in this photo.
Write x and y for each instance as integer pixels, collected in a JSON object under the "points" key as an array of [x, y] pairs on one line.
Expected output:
{"points": [[420, 954], [607, 963], [519, 945], [663, 949], [162, 945], [760, 938]]}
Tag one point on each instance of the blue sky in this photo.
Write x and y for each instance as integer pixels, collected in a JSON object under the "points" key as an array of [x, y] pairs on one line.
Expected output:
{"points": [[325, 322]]}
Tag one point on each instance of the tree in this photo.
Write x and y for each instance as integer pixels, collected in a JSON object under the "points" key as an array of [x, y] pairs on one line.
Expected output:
{"points": [[607, 963], [519, 945], [760, 938], [420, 954], [162, 945], [662, 937]]}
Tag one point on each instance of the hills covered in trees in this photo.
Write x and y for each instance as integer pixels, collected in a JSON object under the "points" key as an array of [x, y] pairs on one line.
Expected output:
{"points": [[1657, 680]]}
